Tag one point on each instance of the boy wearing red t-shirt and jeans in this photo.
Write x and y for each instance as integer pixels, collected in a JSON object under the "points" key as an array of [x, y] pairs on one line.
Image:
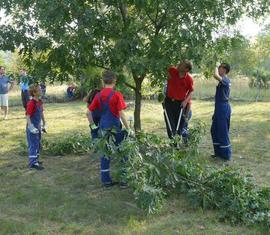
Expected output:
{"points": [[111, 104], [34, 116]]}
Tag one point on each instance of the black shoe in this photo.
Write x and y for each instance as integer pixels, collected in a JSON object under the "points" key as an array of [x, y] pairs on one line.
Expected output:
{"points": [[108, 185], [214, 156], [123, 185], [37, 167], [40, 162]]}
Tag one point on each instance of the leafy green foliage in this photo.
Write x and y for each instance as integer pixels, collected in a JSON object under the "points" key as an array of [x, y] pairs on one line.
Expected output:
{"points": [[228, 49], [260, 80], [76, 144], [158, 167], [60, 39], [231, 191]]}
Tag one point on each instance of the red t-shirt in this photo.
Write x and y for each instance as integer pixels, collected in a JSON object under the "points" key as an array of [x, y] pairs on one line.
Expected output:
{"points": [[116, 102], [178, 88], [31, 107]]}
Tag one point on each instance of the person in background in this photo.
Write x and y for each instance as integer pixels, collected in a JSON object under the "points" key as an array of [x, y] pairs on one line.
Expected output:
{"points": [[96, 114], [4, 90], [25, 81], [70, 91], [222, 114], [43, 90]]}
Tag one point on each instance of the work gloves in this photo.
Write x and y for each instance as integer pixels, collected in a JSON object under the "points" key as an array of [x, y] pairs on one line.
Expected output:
{"points": [[93, 126], [130, 132], [32, 129]]}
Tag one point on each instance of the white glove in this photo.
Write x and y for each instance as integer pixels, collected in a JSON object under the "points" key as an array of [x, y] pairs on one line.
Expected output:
{"points": [[130, 132], [93, 126], [32, 129]]}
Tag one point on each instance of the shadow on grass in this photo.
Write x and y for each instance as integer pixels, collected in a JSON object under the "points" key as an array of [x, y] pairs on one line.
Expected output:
{"points": [[68, 190]]}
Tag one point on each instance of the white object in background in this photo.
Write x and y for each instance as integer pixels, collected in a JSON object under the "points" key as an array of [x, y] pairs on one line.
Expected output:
{"points": [[130, 119]]}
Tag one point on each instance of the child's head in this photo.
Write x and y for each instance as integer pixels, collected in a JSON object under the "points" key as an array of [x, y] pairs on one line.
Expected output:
{"points": [[23, 72], [2, 70], [224, 68], [34, 90], [185, 66], [109, 77]]}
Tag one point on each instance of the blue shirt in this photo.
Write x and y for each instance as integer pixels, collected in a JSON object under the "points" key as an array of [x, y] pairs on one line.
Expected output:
{"points": [[4, 80], [223, 90], [24, 83]]}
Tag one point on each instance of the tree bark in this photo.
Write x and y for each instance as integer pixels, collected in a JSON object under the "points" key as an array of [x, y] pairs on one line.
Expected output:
{"points": [[138, 100]]}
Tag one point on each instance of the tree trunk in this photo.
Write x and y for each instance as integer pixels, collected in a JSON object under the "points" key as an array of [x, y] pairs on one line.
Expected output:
{"points": [[138, 100]]}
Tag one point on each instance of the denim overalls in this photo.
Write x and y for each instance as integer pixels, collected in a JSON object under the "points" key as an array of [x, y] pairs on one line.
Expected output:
{"points": [[107, 121], [34, 139], [221, 120]]}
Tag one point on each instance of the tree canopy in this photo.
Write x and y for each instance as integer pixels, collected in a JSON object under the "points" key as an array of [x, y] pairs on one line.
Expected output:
{"points": [[59, 39]]}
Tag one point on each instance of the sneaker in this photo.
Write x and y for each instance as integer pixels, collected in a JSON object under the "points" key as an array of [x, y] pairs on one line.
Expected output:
{"points": [[37, 167], [123, 185], [110, 184]]}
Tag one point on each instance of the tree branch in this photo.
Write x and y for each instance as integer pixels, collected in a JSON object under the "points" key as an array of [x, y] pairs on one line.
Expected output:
{"points": [[100, 66], [130, 86], [123, 10]]}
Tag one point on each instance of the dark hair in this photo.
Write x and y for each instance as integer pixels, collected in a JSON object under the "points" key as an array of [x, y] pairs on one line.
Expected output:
{"points": [[188, 64], [108, 77], [91, 95], [226, 66], [2, 67]]}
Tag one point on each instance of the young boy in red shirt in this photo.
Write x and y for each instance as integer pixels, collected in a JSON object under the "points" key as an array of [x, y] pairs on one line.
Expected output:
{"points": [[34, 116], [178, 93], [111, 105]]}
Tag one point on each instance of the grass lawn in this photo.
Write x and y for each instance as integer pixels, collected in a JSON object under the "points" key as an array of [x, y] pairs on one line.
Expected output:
{"points": [[67, 198]]}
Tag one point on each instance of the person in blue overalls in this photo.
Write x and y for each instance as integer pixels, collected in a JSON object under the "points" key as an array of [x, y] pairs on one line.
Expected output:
{"points": [[70, 91], [111, 104], [34, 116], [222, 114]]}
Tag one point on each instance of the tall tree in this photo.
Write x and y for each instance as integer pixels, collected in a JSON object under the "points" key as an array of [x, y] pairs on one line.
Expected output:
{"points": [[139, 36]]}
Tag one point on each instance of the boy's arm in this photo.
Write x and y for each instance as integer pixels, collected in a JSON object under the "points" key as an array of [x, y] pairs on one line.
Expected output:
{"points": [[92, 125], [30, 126], [89, 117], [28, 120], [43, 119], [124, 119], [187, 99], [216, 75]]}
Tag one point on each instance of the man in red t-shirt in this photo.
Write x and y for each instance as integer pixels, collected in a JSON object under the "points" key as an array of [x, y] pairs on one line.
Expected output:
{"points": [[111, 105], [178, 96]]}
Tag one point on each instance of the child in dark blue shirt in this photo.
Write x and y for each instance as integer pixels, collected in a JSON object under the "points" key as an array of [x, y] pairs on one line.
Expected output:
{"points": [[222, 114]]}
